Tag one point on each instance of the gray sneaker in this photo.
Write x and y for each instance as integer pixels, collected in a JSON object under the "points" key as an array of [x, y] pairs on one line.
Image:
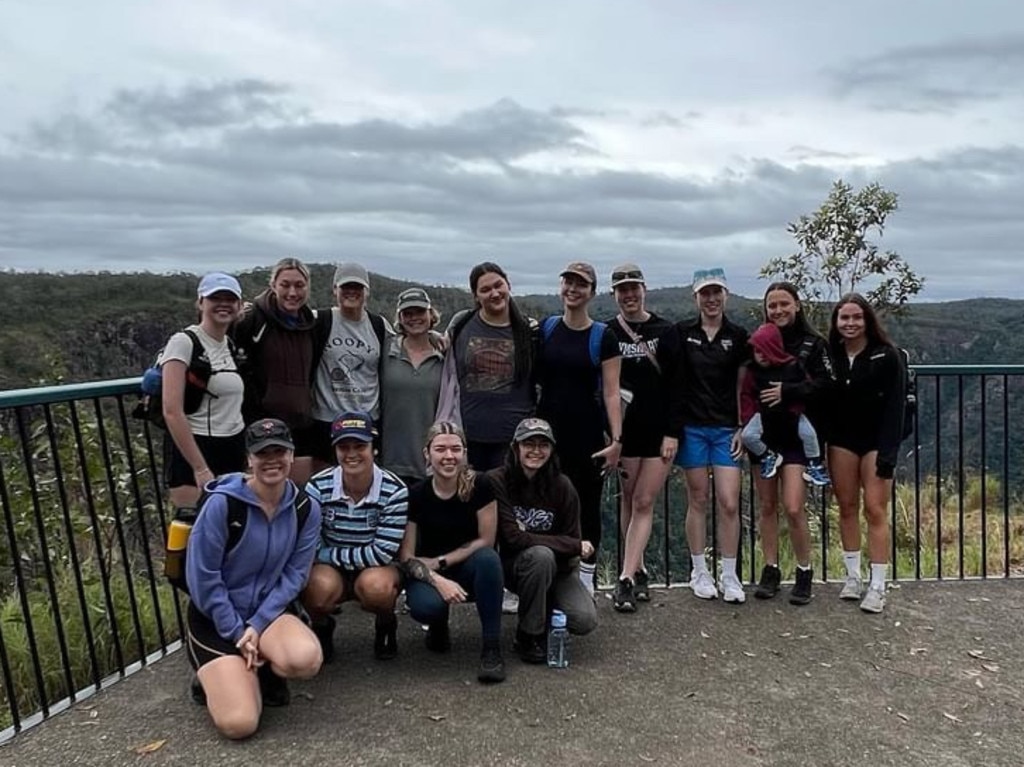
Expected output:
{"points": [[853, 587], [874, 600]]}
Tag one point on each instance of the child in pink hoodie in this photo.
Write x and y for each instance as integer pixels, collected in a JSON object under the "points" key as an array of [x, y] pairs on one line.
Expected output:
{"points": [[769, 426]]}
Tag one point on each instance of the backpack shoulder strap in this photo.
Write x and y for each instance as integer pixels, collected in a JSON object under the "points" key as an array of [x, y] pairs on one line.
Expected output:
{"points": [[238, 514], [548, 326], [377, 322], [197, 347], [458, 321], [596, 335], [302, 507]]}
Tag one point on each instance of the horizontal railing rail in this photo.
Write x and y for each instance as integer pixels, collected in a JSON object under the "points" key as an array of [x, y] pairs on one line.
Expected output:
{"points": [[82, 601]]}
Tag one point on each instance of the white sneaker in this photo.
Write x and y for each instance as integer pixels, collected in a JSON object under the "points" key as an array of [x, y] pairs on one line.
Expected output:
{"points": [[732, 590], [853, 587], [509, 603], [874, 599], [703, 584]]}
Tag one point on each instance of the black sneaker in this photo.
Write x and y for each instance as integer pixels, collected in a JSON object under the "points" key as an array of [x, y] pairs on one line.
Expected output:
{"points": [[532, 648], [768, 586], [801, 592], [641, 586], [273, 688], [624, 598], [385, 639], [438, 639], [196, 691], [492, 665], [324, 627]]}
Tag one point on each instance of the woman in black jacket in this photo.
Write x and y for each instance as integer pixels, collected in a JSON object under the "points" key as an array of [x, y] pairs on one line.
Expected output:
{"points": [[782, 308], [865, 435]]}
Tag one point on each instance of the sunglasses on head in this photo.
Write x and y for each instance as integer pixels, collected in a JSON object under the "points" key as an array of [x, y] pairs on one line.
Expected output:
{"points": [[703, 274], [633, 275]]}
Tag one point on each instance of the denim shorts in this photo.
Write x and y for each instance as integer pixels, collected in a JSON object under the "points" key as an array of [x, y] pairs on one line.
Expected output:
{"points": [[706, 446]]}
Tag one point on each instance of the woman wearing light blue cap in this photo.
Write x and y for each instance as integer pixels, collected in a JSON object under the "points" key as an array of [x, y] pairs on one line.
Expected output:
{"points": [[202, 390]]}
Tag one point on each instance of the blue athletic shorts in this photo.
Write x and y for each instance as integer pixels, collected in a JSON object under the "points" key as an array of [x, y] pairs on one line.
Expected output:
{"points": [[705, 446]]}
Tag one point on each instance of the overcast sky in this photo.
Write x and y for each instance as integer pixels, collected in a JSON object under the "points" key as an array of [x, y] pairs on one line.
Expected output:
{"points": [[422, 136]]}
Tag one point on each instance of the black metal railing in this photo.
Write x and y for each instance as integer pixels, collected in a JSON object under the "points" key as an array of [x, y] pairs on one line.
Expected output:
{"points": [[83, 602]]}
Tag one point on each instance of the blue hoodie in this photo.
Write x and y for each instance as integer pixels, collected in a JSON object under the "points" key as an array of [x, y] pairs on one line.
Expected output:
{"points": [[254, 582]]}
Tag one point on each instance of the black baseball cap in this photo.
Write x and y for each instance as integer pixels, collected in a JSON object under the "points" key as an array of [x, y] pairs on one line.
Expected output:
{"points": [[268, 432]]}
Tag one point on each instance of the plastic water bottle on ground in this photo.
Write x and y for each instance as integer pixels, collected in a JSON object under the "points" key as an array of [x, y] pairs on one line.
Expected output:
{"points": [[558, 641]]}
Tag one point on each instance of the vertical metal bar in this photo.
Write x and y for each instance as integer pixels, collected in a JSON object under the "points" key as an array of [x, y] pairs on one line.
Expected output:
{"points": [[94, 523], [917, 492], [161, 511], [665, 508], [44, 546], [751, 503], [69, 531], [1006, 476], [961, 476], [824, 534], [143, 527], [938, 477], [984, 478], [892, 527], [115, 508], [712, 509]]}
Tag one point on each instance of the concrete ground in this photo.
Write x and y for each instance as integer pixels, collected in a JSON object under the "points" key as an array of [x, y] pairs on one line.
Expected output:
{"points": [[935, 680]]}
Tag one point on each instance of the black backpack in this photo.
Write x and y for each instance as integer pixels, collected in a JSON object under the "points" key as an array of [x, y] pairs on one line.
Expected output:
{"points": [[238, 515], [909, 394], [197, 379]]}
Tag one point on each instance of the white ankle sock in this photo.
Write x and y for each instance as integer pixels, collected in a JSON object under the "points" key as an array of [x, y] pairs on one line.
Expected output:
{"points": [[587, 570], [699, 561], [852, 561], [728, 567], [878, 573]]}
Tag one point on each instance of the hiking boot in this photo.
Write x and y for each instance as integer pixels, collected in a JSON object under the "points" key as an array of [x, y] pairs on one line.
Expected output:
{"points": [[385, 638], [800, 594], [768, 586], [816, 474], [532, 648], [438, 639], [874, 599], [770, 464], [624, 598], [492, 665], [703, 584], [732, 590], [324, 627], [509, 603], [273, 688], [641, 586], [196, 691], [853, 587]]}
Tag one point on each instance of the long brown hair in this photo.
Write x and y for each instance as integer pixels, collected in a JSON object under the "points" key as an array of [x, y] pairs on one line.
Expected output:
{"points": [[873, 328], [466, 478]]}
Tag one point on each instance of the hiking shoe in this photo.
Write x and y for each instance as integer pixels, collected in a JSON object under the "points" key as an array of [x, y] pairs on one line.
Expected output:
{"points": [[509, 603], [273, 688], [532, 648], [853, 587], [703, 585], [324, 627], [768, 586], [385, 638], [770, 464], [816, 474], [492, 665], [732, 590], [874, 599], [438, 639], [641, 586], [196, 691], [624, 597], [800, 594]]}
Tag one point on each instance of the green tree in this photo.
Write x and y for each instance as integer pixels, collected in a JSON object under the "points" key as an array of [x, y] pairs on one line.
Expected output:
{"points": [[836, 255]]}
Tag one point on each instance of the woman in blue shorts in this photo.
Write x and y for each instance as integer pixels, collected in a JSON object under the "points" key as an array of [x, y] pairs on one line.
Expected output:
{"points": [[709, 355]]}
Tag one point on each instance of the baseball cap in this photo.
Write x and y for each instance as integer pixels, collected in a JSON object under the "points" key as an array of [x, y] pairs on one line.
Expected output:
{"points": [[215, 282], [626, 274], [267, 432], [413, 298], [702, 278], [353, 425], [533, 427], [581, 269], [351, 272]]}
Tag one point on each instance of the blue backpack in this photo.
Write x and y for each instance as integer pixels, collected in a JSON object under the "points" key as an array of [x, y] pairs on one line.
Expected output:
{"points": [[596, 334]]}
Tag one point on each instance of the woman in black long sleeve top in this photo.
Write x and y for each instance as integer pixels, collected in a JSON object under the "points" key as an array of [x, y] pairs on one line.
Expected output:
{"points": [[865, 435]]}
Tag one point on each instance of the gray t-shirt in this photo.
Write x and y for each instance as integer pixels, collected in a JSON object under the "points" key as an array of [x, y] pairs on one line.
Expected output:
{"points": [[348, 377], [408, 402], [492, 402]]}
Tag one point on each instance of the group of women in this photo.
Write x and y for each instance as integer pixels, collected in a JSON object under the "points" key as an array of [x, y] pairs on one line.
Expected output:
{"points": [[505, 428]]}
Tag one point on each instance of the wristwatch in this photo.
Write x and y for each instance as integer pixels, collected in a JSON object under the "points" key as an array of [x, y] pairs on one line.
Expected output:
{"points": [[442, 563]]}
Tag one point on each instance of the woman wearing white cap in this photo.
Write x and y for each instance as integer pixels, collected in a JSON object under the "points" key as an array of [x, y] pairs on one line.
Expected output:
{"points": [[202, 392], [410, 383]]}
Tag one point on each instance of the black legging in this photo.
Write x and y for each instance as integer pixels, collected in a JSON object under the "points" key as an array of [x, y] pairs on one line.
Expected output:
{"points": [[579, 467]]}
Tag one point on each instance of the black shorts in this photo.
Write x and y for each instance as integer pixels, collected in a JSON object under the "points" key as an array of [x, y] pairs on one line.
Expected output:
{"points": [[202, 642], [859, 446], [223, 455], [641, 443], [307, 439]]}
